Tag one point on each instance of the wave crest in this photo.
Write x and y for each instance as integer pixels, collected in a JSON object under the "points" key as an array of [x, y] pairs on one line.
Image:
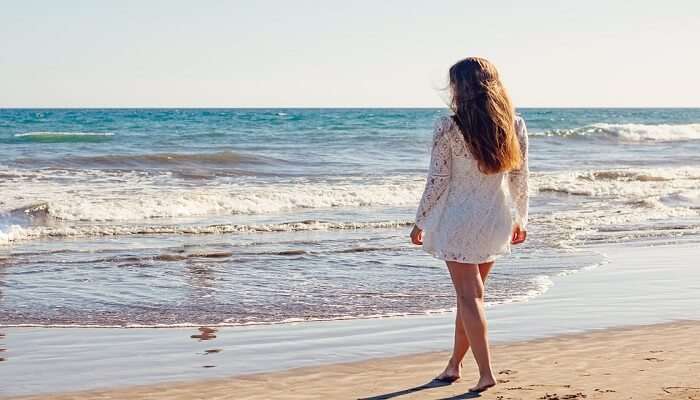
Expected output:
{"points": [[63, 137], [16, 233], [137, 198], [628, 184], [638, 133], [178, 163]]}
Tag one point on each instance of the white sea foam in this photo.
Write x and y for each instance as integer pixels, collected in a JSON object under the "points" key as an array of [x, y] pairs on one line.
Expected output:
{"points": [[100, 203], [49, 133], [687, 198], [624, 183], [97, 196], [619, 204], [632, 132], [233, 323], [568, 272], [620, 197], [541, 283], [17, 233], [233, 200], [11, 233], [639, 132], [131, 196]]}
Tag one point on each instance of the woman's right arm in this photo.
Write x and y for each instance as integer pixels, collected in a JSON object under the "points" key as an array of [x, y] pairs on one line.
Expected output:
{"points": [[438, 173]]}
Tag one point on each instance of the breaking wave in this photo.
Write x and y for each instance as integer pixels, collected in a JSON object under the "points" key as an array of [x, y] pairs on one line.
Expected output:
{"points": [[15, 233], [136, 199], [62, 137], [628, 184], [634, 133], [161, 161], [104, 206]]}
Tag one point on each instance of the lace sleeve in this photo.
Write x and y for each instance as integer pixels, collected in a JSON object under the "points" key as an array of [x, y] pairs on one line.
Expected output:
{"points": [[438, 173], [518, 179]]}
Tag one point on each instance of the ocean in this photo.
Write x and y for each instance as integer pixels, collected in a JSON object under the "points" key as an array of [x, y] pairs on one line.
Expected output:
{"points": [[190, 217]]}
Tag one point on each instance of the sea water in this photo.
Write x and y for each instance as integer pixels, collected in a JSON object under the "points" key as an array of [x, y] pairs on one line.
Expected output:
{"points": [[171, 217]]}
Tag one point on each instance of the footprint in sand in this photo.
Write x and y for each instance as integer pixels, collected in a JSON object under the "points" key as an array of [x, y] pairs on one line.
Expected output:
{"points": [[604, 390], [554, 396], [688, 392], [653, 359], [541, 385], [506, 372]]}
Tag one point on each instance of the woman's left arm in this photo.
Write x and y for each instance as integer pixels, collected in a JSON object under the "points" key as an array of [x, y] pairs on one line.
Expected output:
{"points": [[518, 179]]}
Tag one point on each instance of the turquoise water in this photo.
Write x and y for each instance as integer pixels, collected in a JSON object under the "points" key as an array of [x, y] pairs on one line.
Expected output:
{"points": [[227, 216], [304, 142]]}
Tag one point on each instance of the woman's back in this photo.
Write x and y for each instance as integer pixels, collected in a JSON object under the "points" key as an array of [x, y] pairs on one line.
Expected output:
{"points": [[465, 212]]}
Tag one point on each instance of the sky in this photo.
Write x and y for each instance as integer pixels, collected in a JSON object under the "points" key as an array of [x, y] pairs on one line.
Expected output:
{"points": [[300, 53]]}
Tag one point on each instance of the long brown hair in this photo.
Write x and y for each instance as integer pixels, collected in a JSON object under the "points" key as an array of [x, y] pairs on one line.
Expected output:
{"points": [[485, 115]]}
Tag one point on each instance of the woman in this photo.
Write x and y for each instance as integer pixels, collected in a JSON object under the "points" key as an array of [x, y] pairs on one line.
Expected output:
{"points": [[464, 216]]}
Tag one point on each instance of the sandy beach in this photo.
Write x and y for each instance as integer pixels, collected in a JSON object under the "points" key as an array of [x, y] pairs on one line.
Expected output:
{"points": [[651, 362], [624, 330]]}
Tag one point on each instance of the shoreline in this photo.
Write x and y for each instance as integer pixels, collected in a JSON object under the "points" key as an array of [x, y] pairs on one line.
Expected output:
{"points": [[630, 361], [642, 284]]}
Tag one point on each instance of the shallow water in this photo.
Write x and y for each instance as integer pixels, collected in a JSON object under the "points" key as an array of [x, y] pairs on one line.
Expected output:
{"points": [[641, 284], [172, 217]]}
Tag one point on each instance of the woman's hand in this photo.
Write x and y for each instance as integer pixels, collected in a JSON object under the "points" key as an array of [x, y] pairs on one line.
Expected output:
{"points": [[519, 235], [417, 235]]}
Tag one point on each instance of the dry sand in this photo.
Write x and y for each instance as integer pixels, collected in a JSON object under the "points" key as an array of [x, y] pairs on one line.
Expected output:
{"points": [[649, 362]]}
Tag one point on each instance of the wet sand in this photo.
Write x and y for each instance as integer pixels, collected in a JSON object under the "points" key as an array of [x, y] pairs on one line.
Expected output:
{"points": [[650, 362], [640, 285]]}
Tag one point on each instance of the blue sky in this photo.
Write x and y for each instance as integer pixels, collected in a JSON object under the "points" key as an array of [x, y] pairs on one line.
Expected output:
{"points": [[344, 53]]}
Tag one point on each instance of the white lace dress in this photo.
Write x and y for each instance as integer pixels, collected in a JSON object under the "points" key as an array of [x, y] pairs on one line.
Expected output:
{"points": [[465, 214]]}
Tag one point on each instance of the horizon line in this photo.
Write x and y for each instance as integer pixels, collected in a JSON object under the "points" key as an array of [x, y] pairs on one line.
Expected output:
{"points": [[311, 107]]}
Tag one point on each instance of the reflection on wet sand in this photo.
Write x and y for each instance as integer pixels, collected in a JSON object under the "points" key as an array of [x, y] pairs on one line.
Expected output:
{"points": [[202, 279], [206, 333], [2, 349]]}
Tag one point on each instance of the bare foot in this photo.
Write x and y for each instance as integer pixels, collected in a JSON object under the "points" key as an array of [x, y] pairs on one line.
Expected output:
{"points": [[451, 373], [485, 383]]}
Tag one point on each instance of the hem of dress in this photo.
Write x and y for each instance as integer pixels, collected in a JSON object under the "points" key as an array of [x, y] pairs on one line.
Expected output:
{"points": [[441, 256]]}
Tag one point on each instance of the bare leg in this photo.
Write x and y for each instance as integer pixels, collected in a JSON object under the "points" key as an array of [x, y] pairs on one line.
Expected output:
{"points": [[453, 370], [470, 296]]}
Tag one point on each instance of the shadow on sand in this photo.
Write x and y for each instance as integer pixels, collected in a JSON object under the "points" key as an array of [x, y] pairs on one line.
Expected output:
{"points": [[468, 395], [430, 385]]}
